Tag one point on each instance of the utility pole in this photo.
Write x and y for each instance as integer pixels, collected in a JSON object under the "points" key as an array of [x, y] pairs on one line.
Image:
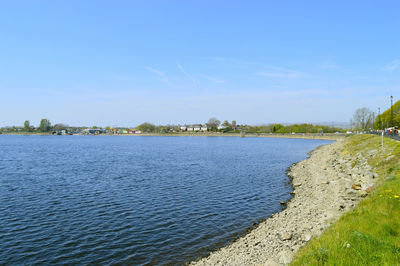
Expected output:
{"points": [[373, 122], [380, 119], [391, 111]]}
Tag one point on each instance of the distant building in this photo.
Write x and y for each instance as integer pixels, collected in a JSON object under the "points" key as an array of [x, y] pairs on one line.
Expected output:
{"points": [[93, 131], [194, 128], [197, 127]]}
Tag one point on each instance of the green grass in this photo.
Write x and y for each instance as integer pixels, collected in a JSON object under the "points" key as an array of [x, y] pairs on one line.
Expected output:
{"points": [[370, 234]]}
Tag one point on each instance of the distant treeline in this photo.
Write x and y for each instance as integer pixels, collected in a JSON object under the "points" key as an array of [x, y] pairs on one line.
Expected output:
{"points": [[44, 127], [233, 128], [213, 125], [294, 128]]}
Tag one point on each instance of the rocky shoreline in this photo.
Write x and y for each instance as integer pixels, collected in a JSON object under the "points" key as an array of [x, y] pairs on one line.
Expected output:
{"points": [[325, 186]]}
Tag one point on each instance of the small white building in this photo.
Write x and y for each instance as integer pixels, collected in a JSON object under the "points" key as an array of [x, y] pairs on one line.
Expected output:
{"points": [[197, 127]]}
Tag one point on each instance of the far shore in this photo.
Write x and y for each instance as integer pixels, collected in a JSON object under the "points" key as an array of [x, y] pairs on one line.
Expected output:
{"points": [[323, 136]]}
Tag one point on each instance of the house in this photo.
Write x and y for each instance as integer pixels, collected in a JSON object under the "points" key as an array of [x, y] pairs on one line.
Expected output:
{"points": [[194, 128], [197, 127], [93, 131]]}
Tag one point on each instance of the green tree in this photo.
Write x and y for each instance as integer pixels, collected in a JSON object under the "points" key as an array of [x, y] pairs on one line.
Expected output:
{"points": [[213, 124], [378, 122], [226, 123], [107, 128], [233, 124], [396, 119], [276, 127], [59, 127], [147, 127], [27, 126], [384, 119], [227, 127], [45, 125]]}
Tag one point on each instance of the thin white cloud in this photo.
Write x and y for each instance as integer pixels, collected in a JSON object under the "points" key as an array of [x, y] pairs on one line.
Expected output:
{"points": [[329, 64], [156, 71], [392, 66], [281, 69], [283, 74], [213, 79], [159, 73], [272, 75], [280, 72], [247, 63], [180, 67], [272, 71]]}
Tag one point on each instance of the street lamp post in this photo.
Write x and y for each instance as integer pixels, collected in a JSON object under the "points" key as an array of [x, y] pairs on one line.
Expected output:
{"points": [[380, 119], [391, 111]]}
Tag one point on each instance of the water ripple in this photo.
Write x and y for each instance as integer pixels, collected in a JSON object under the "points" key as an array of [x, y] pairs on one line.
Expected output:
{"points": [[117, 200]]}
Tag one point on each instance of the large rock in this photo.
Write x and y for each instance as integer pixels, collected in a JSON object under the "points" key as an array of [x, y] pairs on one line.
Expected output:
{"points": [[271, 262], [285, 257], [306, 237], [362, 193], [369, 176], [306, 226], [285, 236]]}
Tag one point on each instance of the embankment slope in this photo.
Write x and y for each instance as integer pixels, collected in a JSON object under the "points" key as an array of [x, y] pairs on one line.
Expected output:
{"points": [[326, 185]]}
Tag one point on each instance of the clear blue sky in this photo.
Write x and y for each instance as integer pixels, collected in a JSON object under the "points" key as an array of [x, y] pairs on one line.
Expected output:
{"points": [[126, 62]]}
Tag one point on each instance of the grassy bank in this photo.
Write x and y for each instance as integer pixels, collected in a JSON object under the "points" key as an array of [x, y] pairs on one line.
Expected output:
{"points": [[370, 234]]}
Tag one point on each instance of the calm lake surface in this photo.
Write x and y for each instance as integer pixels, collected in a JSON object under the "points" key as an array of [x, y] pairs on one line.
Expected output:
{"points": [[136, 200]]}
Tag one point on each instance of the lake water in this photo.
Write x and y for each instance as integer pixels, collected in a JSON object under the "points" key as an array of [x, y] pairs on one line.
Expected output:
{"points": [[136, 200]]}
